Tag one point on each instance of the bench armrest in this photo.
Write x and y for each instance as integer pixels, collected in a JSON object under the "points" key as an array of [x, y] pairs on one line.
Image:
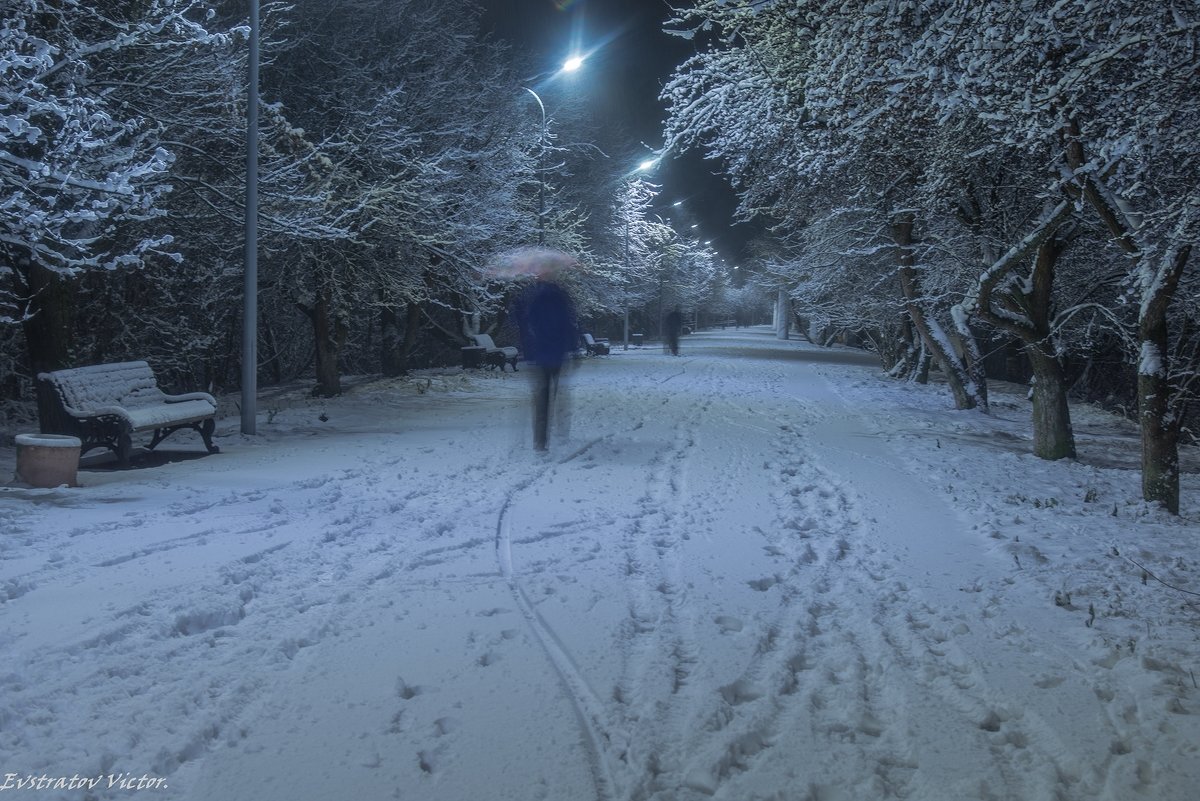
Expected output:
{"points": [[94, 411], [187, 396]]}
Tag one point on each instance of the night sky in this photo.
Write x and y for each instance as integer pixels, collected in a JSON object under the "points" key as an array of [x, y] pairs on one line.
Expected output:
{"points": [[629, 60]]}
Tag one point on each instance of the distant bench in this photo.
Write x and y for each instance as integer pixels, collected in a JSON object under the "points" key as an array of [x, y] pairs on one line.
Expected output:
{"points": [[105, 404], [595, 347], [494, 356]]}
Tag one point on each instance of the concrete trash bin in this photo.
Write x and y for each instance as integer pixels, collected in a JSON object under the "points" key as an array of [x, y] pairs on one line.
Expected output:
{"points": [[48, 460]]}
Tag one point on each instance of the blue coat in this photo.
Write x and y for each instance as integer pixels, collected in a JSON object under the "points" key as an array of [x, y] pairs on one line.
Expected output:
{"points": [[546, 318]]}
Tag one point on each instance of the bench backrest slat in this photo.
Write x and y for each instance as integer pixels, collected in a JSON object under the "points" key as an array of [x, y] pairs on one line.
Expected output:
{"points": [[127, 384]]}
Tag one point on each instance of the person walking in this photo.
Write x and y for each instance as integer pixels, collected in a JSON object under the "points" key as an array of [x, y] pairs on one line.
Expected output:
{"points": [[545, 316], [674, 325]]}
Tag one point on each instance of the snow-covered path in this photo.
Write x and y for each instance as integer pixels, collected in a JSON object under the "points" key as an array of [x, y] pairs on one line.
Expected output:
{"points": [[738, 575]]}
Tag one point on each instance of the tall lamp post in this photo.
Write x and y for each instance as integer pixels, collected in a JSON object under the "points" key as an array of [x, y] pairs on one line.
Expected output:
{"points": [[541, 169], [626, 344], [570, 65], [250, 277]]}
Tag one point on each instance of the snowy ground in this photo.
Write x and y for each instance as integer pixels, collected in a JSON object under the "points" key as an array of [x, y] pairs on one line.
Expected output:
{"points": [[757, 572]]}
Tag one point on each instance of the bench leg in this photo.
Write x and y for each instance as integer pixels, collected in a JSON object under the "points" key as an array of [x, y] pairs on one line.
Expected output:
{"points": [[204, 428], [206, 432], [124, 448], [159, 435]]}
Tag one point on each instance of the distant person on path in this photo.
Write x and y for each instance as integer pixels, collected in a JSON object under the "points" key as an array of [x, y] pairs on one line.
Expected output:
{"points": [[674, 325], [545, 315]]}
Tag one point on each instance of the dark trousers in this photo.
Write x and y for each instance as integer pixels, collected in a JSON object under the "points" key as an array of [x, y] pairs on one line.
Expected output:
{"points": [[544, 390]]}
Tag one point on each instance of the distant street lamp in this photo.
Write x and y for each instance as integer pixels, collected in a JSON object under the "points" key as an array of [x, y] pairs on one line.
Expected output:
{"points": [[573, 63], [645, 165]]}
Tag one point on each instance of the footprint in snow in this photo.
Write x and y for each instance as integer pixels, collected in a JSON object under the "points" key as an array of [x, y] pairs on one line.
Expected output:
{"points": [[740, 692], [763, 584], [446, 725]]}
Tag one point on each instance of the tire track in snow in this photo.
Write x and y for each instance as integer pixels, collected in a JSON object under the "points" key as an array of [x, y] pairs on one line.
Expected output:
{"points": [[618, 760], [600, 735], [588, 709]]}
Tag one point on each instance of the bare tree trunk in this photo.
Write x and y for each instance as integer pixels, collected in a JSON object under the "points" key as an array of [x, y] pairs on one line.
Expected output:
{"points": [[972, 359], [267, 331], [934, 339], [48, 330], [1160, 421], [783, 317], [329, 335], [1160, 435], [412, 329], [1053, 437], [899, 353], [924, 362], [391, 342]]}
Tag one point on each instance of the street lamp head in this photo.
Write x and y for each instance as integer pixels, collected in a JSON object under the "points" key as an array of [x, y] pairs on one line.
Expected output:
{"points": [[573, 63], [677, 203], [647, 164]]}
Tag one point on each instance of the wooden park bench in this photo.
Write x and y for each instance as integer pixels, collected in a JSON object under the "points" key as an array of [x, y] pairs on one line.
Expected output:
{"points": [[105, 404], [494, 356], [595, 347]]}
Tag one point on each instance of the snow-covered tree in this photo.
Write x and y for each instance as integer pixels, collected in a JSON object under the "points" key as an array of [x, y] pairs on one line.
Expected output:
{"points": [[799, 101], [982, 138], [82, 175], [1111, 89], [426, 163]]}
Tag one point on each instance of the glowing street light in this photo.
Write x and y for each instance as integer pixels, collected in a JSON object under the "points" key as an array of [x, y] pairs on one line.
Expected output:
{"points": [[647, 164], [570, 65]]}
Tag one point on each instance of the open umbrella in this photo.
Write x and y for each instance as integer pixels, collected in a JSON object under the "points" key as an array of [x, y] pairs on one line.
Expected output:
{"points": [[530, 262]]}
